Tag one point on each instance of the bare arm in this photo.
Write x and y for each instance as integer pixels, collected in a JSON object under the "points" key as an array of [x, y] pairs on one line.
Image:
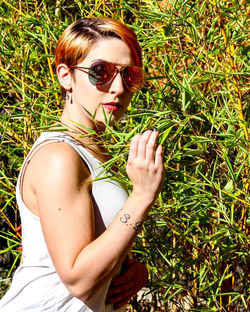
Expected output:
{"points": [[66, 213]]}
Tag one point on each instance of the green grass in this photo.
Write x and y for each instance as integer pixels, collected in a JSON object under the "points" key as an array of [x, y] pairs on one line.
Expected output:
{"points": [[195, 241]]}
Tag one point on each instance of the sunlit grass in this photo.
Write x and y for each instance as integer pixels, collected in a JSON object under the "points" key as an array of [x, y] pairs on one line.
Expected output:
{"points": [[196, 59]]}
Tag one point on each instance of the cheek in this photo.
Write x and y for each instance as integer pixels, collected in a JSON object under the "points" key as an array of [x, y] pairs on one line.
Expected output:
{"points": [[81, 83], [126, 101], [84, 91], [128, 98]]}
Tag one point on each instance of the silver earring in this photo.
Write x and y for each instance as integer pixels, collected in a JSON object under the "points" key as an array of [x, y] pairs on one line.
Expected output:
{"points": [[67, 97]]}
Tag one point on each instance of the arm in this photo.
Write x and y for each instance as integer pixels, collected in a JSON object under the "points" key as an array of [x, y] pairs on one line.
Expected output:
{"points": [[66, 213]]}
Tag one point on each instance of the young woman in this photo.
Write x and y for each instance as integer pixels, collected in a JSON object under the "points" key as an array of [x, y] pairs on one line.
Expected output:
{"points": [[78, 231]]}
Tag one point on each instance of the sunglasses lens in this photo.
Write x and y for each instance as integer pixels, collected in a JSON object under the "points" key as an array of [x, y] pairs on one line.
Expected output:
{"points": [[101, 73], [133, 77]]}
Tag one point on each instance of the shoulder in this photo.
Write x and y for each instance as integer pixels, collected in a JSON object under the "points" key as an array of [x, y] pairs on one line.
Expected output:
{"points": [[58, 161], [56, 151]]}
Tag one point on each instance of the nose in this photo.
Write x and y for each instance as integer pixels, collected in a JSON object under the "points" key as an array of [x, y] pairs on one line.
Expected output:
{"points": [[117, 85]]}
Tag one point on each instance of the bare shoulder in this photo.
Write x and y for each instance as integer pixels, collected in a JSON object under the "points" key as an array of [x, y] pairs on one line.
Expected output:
{"points": [[55, 167], [59, 158]]}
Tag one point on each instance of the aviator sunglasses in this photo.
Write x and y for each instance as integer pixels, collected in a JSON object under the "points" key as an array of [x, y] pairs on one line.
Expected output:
{"points": [[101, 73]]}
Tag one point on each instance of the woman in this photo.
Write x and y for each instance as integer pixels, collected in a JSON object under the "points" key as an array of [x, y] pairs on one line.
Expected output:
{"points": [[77, 232]]}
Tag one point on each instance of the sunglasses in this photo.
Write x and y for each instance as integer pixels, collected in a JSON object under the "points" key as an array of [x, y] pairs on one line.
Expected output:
{"points": [[102, 73]]}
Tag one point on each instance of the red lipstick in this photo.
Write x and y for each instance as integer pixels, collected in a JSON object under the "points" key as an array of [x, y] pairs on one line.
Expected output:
{"points": [[112, 106]]}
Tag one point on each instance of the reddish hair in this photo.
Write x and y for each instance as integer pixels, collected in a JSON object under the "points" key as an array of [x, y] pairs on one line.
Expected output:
{"points": [[77, 39]]}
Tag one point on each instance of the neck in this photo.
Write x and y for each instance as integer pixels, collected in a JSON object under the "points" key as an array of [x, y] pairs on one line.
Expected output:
{"points": [[80, 124], [85, 130]]}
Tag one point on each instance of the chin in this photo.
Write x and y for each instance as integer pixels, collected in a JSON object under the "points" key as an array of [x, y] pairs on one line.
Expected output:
{"points": [[102, 124], [111, 120]]}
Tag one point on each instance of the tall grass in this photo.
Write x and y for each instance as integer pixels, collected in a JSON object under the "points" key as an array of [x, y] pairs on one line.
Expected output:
{"points": [[195, 241]]}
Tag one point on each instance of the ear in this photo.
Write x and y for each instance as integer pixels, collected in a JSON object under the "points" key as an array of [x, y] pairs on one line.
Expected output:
{"points": [[64, 76]]}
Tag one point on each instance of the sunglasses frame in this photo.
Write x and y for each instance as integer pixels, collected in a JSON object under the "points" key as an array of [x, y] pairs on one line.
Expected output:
{"points": [[120, 71]]}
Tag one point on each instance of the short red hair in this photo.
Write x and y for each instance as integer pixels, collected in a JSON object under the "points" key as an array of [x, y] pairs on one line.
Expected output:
{"points": [[77, 39]]}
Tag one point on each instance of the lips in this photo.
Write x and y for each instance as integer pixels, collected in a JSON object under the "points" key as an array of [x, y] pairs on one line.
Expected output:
{"points": [[112, 106]]}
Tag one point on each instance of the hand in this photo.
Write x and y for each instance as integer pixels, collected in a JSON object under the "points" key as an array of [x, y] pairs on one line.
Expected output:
{"points": [[145, 165], [133, 277]]}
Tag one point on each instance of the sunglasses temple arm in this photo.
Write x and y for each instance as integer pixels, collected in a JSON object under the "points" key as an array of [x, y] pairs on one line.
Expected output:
{"points": [[81, 68]]}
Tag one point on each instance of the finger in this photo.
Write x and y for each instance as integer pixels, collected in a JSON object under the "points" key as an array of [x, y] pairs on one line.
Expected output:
{"points": [[142, 144], [121, 286], [113, 292], [120, 299], [151, 145], [121, 280], [122, 302], [124, 278], [134, 146], [159, 156], [128, 272]]}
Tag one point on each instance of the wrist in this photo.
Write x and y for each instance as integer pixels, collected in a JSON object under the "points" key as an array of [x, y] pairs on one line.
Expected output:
{"points": [[143, 198]]}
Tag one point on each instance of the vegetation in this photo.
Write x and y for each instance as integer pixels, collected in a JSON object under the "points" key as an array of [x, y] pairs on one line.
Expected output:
{"points": [[195, 241]]}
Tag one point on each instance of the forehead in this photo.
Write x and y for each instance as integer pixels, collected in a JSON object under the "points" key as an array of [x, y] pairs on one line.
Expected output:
{"points": [[112, 50]]}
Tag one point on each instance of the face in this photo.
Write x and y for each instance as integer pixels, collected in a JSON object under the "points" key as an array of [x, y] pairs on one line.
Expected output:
{"points": [[111, 100]]}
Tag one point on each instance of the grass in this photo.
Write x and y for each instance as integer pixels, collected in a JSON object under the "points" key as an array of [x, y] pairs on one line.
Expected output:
{"points": [[195, 241]]}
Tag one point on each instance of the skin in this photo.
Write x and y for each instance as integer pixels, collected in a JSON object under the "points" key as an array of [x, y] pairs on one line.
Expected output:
{"points": [[56, 188], [85, 95], [134, 276]]}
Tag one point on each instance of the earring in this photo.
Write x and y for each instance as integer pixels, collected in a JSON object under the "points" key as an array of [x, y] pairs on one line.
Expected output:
{"points": [[67, 97]]}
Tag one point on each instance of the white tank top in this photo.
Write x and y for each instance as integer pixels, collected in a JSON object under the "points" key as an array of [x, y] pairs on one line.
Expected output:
{"points": [[36, 286]]}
